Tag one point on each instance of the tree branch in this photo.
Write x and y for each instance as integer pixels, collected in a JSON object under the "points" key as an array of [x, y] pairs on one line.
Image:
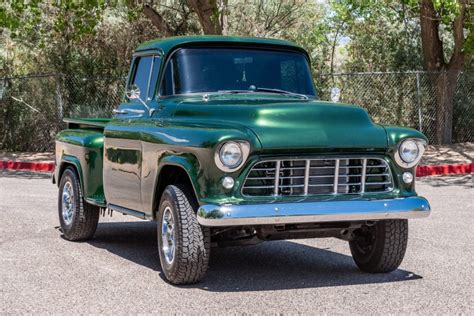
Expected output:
{"points": [[457, 58], [157, 20]]}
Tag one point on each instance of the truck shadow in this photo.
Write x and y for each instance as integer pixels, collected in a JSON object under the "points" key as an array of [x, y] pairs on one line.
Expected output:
{"points": [[460, 181], [276, 265], [24, 174]]}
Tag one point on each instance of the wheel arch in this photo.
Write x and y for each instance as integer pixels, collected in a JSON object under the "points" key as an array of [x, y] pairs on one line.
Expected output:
{"points": [[70, 161], [172, 174]]}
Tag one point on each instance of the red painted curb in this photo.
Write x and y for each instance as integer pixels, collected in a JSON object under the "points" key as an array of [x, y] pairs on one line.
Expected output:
{"points": [[421, 171], [27, 165]]}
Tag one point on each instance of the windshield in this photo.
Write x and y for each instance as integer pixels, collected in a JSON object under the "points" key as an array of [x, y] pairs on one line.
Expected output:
{"points": [[194, 70]]}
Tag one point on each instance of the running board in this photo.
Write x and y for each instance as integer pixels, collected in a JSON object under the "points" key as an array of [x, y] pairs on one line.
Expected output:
{"points": [[126, 211]]}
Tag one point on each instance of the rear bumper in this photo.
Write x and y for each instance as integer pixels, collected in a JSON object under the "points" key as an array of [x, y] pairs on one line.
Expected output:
{"points": [[312, 212]]}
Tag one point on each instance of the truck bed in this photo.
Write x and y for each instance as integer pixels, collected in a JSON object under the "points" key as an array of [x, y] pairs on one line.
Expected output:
{"points": [[73, 123]]}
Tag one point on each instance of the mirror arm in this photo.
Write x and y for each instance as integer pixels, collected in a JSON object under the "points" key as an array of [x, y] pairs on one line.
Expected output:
{"points": [[134, 93], [150, 110]]}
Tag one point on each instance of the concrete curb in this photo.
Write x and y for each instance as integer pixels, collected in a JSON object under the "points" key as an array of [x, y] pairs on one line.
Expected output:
{"points": [[421, 171]]}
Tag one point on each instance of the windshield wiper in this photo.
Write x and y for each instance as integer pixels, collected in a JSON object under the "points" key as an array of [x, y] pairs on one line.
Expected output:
{"points": [[255, 89], [234, 91], [279, 91], [261, 89]]}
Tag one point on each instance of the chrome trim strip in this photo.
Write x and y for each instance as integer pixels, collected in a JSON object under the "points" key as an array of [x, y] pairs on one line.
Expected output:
{"points": [[277, 177], [336, 176], [362, 177], [306, 176], [312, 212]]}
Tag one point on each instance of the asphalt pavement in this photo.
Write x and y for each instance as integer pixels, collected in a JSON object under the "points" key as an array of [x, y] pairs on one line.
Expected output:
{"points": [[118, 272]]}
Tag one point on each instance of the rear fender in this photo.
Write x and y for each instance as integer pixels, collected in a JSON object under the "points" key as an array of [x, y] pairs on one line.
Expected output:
{"points": [[66, 161], [82, 149]]}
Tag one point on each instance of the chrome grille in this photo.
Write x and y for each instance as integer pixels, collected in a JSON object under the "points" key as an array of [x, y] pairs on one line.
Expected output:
{"points": [[318, 176]]}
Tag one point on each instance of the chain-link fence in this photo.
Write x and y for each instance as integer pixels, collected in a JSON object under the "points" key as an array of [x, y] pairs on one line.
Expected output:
{"points": [[32, 108], [413, 99]]}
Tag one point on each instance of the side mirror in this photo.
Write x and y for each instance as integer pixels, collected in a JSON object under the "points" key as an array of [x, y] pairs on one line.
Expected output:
{"points": [[335, 94], [133, 93]]}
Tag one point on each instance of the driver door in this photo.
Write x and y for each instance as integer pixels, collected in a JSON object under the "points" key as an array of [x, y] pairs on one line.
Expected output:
{"points": [[122, 141]]}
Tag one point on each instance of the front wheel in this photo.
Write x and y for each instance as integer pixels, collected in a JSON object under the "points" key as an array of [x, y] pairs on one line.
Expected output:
{"points": [[183, 244], [381, 247], [78, 219]]}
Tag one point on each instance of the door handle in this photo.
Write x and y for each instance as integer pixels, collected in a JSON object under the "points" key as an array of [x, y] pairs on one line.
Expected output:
{"points": [[115, 111]]}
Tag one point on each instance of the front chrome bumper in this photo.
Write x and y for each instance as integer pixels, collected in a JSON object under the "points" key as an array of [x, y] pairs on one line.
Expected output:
{"points": [[312, 212]]}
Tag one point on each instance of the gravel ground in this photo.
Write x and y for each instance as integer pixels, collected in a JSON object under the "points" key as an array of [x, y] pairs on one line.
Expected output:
{"points": [[118, 272]]}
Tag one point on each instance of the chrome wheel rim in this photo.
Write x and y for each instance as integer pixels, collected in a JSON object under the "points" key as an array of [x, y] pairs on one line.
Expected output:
{"points": [[168, 238], [67, 203]]}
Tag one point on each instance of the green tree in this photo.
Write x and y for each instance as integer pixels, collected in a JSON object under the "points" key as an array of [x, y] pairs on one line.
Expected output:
{"points": [[449, 60], [436, 35]]}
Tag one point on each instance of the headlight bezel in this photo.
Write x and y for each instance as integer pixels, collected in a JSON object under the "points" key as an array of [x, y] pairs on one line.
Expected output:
{"points": [[244, 148], [421, 145]]}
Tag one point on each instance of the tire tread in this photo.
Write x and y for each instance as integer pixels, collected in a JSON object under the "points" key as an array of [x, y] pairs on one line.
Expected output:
{"points": [[86, 217], [192, 257], [390, 247]]}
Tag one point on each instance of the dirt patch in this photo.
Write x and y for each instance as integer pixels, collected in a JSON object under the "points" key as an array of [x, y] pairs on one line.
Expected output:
{"points": [[462, 153], [27, 156]]}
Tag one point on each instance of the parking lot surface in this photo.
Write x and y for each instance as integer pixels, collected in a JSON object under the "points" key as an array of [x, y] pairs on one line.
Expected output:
{"points": [[119, 271]]}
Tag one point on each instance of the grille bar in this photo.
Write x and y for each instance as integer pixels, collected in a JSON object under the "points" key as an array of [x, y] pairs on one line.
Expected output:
{"points": [[317, 176], [336, 177], [306, 176], [362, 179]]}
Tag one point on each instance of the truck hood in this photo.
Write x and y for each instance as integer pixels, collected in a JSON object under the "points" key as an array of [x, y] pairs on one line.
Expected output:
{"points": [[283, 124]]}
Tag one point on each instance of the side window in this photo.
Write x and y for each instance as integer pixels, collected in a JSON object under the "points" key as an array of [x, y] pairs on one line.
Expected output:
{"points": [[154, 77], [167, 85], [141, 74]]}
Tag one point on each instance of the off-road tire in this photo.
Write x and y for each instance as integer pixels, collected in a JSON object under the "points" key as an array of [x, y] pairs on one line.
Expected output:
{"points": [[385, 248], [85, 216], [192, 241]]}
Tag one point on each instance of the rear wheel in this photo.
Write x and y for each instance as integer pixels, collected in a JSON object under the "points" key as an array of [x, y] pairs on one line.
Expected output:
{"points": [[78, 219], [381, 247], [183, 244]]}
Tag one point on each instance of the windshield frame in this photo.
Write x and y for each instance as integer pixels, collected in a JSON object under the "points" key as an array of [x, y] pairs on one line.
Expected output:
{"points": [[230, 46]]}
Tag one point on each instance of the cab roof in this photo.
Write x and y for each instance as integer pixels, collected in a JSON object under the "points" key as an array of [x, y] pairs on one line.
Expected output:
{"points": [[166, 45]]}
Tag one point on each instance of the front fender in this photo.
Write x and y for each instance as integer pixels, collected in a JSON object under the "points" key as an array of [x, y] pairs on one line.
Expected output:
{"points": [[189, 163], [191, 146], [396, 133]]}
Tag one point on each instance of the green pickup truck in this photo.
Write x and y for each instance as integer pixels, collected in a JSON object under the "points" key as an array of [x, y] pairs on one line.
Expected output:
{"points": [[223, 141]]}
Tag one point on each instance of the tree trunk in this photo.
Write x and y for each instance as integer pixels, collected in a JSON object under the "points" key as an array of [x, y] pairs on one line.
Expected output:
{"points": [[445, 84], [446, 75], [208, 14]]}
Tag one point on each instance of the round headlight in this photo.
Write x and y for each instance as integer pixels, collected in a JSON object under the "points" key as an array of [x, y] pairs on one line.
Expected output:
{"points": [[409, 151], [230, 154]]}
